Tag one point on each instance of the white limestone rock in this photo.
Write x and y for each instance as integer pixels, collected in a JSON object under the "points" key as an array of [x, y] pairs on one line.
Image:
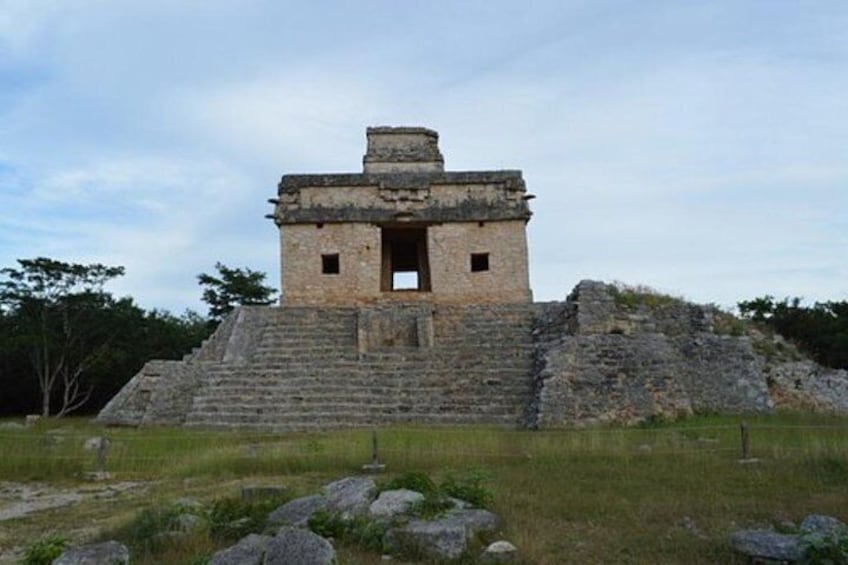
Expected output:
{"points": [[110, 552], [248, 551], [297, 512], [294, 546], [393, 503], [499, 552], [350, 496]]}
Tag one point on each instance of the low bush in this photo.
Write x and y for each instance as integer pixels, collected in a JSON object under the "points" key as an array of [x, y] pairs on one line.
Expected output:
{"points": [[825, 549], [233, 518], [469, 488], [143, 534], [412, 480], [44, 550], [359, 531]]}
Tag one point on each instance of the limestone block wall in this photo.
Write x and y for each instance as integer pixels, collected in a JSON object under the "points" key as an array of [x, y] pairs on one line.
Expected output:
{"points": [[449, 246], [358, 249], [507, 278]]}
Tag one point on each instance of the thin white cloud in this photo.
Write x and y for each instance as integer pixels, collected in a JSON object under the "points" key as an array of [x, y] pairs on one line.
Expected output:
{"points": [[696, 148], [22, 20]]}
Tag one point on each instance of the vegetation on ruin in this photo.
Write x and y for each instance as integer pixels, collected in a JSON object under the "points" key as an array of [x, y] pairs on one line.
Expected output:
{"points": [[633, 296], [820, 330], [665, 493]]}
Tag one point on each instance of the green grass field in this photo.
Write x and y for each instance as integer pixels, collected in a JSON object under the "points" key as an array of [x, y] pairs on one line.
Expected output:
{"points": [[669, 493]]}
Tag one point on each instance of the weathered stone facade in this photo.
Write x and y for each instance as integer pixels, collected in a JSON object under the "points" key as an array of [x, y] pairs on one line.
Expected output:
{"points": [[603, 360], [590, 359], [345, 238], [465, 345]]}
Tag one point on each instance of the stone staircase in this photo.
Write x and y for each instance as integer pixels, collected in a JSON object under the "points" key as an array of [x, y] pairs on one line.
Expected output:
{"points": [[305, 368]]}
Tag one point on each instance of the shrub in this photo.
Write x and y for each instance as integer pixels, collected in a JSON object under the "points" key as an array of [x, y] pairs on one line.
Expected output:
{"points": [[142, 532], [413, 480], [359, 531], [45, 550], [640, 295], [431, 506], [825, 549], [233, 518], [469, 488], [327, 524]]}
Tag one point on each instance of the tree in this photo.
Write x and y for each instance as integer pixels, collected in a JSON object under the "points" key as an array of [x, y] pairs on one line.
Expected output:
{"points": [[50, 311], [820, 330], [233, 287]]}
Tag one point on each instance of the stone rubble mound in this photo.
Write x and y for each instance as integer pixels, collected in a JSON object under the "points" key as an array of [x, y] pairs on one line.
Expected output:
{"points": [[815, 532], [446, 537]]}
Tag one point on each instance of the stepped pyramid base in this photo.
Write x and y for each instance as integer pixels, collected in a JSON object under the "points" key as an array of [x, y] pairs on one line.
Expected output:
{"points": [[593, 358], [303, 368]]}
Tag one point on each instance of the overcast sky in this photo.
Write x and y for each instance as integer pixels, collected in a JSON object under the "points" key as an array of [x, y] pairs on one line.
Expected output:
{"points": [[697, 147]]}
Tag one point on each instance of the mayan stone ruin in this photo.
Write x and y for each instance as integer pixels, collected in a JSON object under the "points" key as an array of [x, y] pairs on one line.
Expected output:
{"points": [[405, 297]]}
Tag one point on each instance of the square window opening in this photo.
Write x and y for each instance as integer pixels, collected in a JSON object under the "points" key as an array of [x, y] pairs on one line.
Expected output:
{"points": [[330, 264], [479, 262]]}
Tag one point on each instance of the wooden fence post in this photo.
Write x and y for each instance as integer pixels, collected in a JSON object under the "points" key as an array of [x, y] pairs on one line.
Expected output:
{"points": [[746, 441]]}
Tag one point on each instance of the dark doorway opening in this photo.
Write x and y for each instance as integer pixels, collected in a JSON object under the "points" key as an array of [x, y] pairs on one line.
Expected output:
{"points": [[405, 265]]}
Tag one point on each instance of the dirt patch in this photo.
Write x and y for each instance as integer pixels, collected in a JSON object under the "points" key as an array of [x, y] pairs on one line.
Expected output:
{"points": [[21, 499]]}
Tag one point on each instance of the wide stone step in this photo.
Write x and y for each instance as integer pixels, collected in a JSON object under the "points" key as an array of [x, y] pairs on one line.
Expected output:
{"points": [[364, 396], [305, 372], [353, 416]]}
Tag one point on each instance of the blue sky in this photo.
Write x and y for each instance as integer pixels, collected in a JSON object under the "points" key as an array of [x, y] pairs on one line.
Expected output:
{"points": [[696, 147]]}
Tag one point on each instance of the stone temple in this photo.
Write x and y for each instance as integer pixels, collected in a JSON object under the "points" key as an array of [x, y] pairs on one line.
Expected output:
{"points": [[405, 298]]}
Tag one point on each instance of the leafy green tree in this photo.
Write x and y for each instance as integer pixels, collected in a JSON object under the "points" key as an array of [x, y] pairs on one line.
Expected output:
{"points": [[820, 330], [233, 287], [57, 315], [49, 312]]}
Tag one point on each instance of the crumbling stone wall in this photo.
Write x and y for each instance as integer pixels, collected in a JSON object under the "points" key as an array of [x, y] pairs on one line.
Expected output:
{"points": [[619, 362]]}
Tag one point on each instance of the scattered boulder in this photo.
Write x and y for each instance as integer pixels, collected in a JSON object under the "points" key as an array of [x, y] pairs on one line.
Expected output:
{"points": [[350, 496], [294, 546], [766, 544], [824, 525], [436, 539], [763, 544], [499, 552], [393, 503], [444, 538], [110, 552], [297, 512], [476, 521], [248, 551]]}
